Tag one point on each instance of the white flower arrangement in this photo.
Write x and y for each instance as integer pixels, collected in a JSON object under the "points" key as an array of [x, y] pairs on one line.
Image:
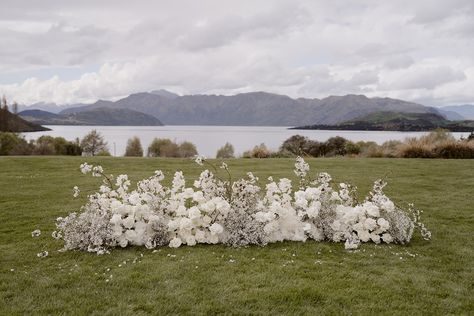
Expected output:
{"points": [[234, 213]]}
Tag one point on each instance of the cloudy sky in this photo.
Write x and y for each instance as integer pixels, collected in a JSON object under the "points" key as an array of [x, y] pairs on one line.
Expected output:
{"points": [[80, 51]]}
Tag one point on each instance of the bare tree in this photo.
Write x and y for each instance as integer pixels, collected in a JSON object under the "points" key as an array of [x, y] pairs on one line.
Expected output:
{"points": [[93, 143], [226, 151]]}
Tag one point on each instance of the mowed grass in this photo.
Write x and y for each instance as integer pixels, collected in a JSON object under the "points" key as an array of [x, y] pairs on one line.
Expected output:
{"points": [[433, 278]]}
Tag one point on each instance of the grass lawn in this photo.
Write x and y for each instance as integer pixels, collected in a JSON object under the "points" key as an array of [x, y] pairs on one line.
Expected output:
{"points": [[434, 278]]}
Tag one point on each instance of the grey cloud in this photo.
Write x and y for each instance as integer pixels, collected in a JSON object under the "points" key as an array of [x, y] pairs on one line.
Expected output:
{"points": [[418, 50], [365, 77], [397, 62], [426, 78]]}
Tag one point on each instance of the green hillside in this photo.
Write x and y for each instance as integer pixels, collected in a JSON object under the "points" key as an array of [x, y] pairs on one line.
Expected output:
{"points": [[10, 122], [398, 121]]}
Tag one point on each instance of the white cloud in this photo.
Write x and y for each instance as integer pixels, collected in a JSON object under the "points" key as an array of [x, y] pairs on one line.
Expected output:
{"points": [[420, 51], [422, 77]]}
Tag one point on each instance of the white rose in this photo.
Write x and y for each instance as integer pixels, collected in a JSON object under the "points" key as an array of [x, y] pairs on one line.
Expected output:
{"points": [[200, 236], [175, 242], [194, 212], [173, 224], [134, 199], [375, 238], [270, 227], [128, 222], [388, 206], [206, 220], [216, 229], [260, 217], [213, 239], [198, 197], [190, 240], [335, 197], [116, 219], [363, 235], [181, 211], [131, 236], [115, 206], [336, 225], [383, 223], [370, 224], [123, 241], [372, 210], [387, 238], [185, 223]]}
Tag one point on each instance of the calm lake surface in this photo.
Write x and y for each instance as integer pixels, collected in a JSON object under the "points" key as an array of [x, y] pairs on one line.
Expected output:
{"points": [[210, 138]]}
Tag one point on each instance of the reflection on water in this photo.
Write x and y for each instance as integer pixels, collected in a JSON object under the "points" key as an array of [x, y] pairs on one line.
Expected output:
{"points": [[210, 138]]}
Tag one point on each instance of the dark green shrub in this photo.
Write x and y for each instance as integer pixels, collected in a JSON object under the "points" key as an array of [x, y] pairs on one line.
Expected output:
{"points": [[9, 142], [157, 147], [134, 148], [296, 144], [352, 149], [315, 149], [187, 150], [336, 146], [282, 154]]}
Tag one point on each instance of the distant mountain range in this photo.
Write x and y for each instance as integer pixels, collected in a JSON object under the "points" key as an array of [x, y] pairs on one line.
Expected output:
{"points": [[466, 111], [251, 109], [49, 107], [95, 116], [397, 121]]}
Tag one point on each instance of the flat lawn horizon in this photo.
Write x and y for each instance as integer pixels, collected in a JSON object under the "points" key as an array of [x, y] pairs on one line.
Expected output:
{"points": [[292, 278]]}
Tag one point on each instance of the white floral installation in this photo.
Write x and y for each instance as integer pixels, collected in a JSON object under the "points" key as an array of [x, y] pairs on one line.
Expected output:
{"points": [[235, 213]]}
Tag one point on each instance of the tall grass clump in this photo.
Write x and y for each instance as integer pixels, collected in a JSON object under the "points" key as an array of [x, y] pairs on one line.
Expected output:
{"points": [[437, 144]]}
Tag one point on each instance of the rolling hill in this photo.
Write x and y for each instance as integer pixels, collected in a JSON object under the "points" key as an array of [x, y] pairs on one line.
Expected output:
{"points": [[10, 122], [397, 121], [92, 116]]}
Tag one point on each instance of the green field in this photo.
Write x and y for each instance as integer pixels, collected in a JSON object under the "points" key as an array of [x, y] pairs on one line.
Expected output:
{"points": [[433, 278]]}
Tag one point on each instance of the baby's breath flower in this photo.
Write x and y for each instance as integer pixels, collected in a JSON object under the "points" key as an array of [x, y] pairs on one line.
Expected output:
{"points": [[56, 235], [85, 168], [42, 254], [199, 160], [97, 171], [75, 191], [301, 167]]}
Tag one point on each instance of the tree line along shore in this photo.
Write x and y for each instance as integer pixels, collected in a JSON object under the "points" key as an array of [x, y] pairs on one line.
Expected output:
{"points": [[437, 144]]}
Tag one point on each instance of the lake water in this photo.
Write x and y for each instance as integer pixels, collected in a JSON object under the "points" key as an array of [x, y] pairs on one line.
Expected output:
{"points": [[208, 139]]}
